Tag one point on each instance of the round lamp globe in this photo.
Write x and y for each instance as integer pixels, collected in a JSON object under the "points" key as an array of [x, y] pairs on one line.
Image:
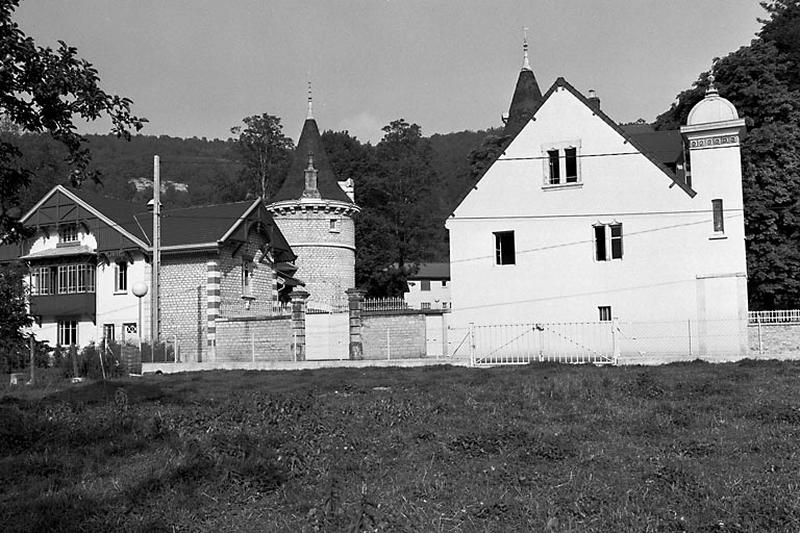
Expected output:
{"points": [[139, 289]]}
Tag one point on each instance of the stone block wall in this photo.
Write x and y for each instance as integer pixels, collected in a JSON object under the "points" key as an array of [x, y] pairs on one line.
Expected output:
{"points": [[778, 340], [325, 255], [393, 336], [232, 303], [183, 303], [269, 338]]}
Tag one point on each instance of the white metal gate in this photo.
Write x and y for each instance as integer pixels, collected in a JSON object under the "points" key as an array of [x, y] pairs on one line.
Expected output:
{"points": [[327, 334], [574, 342]]}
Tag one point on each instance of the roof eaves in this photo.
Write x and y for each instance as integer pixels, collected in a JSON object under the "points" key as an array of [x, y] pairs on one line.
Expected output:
{"points": [[474, 184], [89, 207], [238, 222]]}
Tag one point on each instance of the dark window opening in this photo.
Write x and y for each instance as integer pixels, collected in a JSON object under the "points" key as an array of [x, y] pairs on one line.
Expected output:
{"points": [[605, 313], [719, 221], [571, 165], [555, 169], [425, 285], [600, 243], [616, 241], [504, 247], [121, 279]]}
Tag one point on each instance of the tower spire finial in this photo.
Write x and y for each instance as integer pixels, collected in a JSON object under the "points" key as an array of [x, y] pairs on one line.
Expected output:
{"points": [[526, 64], [310, 114], [712, 89]]}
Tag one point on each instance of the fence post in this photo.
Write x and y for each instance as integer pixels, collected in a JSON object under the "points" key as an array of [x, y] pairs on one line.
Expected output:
{"points": [[760, 342], [689, 325], [355, 301], [299, 323], [472, 343], [614, 339], [253, 344]]}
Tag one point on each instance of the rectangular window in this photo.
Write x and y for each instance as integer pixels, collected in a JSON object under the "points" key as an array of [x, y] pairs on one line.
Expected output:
{"points": [[68, 233], [425, 285], [504, 248], [571, 165], [555, 171], [616, 241], [444, 283], [121, 277], [43, 281], [607, 238], [67, 332], [600, 243], [67, 279], [108, 332], [334, 225], [129, 330], [247, 279], [605, 313], [719, 221], [86, 274], [425, 305]]}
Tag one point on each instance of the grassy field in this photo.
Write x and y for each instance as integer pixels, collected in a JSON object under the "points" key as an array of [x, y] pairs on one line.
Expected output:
{"points": [[686, 447]]}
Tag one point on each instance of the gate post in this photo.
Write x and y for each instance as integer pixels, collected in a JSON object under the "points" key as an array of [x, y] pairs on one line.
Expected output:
{"points": [[299, 323], [355, 298]]}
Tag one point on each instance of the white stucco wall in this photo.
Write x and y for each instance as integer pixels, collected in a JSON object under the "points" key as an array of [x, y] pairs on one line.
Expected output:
{"points": [[437, 295], [122, 307], [667, 235]]}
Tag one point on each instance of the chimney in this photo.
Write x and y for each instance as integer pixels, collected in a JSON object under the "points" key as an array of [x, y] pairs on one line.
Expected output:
{"points": [[594, 101]]}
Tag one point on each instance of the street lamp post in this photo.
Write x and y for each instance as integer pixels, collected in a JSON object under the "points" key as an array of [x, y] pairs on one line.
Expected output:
{"points": [[139, 290]]}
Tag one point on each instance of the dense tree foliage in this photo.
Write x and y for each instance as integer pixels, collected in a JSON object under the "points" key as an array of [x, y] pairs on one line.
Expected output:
{"points": [[265, 153], [763, 81], [44, 90], [394, 230], [14, 316]]}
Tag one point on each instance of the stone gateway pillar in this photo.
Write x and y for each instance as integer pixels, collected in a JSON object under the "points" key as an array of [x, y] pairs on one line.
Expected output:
{"points": [[355, 299], [299, 324]]}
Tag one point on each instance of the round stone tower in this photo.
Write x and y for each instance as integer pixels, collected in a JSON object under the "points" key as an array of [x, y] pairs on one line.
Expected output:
{"points": [[316, 216]]}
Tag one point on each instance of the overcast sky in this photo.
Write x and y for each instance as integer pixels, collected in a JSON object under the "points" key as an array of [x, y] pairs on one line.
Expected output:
{"points": [[197, 67]]}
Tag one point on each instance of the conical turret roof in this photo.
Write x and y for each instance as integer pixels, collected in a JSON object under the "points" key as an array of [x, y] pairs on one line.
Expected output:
{"points": [[527, 97], [310, 143]]}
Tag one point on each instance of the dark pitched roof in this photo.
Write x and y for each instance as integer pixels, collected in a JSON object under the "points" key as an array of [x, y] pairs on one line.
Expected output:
{"points": [[293, 187], [666, 146], [526, 100], [432, 271], [189, 226]]}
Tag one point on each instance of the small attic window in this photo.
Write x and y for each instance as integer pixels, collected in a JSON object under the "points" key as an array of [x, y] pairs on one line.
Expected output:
{"points": [[334, 225], [68, 233]]}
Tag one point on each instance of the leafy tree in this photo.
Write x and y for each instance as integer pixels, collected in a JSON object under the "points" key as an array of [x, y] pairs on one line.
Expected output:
{"points": [[349, 158], [763, 81], [44, 90], [14, 316], [265, 153], [393, 231]]}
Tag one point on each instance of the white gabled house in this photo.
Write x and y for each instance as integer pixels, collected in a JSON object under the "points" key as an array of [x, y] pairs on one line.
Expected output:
{"points": [[579, 220]]}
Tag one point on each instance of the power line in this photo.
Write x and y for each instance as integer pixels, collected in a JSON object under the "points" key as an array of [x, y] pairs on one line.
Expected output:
{"points": [[586, 241]]}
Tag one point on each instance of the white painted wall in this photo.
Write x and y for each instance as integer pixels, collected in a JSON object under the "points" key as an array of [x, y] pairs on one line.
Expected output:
{"points": [[437, 296], [120, 308], [666, 233]]}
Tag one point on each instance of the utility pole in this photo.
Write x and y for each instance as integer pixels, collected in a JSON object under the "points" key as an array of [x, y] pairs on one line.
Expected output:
{"points": [[156, 260]]}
